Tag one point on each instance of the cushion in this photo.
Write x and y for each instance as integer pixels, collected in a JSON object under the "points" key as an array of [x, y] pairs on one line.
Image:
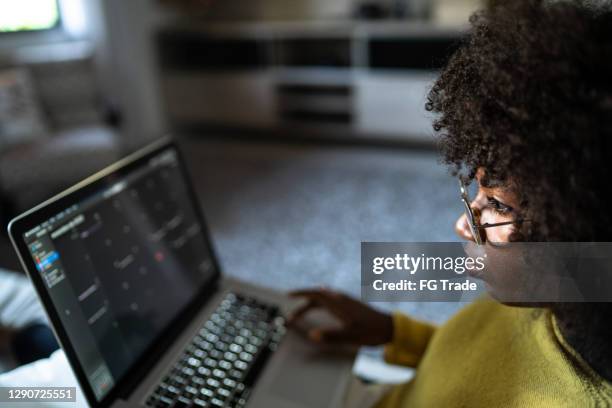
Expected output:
{"points": [[21, 118]]}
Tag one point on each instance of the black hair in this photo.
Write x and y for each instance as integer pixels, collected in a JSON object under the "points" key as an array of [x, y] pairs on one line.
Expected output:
{"points": [[528, 98]]}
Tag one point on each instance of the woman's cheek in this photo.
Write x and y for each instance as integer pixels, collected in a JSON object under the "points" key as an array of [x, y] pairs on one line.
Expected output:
{"points": [[500, 234]]}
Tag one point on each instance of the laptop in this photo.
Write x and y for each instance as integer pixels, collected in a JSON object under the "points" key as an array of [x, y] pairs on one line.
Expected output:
{"points": [[126, 272]]}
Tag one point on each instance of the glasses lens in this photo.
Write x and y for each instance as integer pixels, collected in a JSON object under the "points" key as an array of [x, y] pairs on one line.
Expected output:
{"points": [[473, 223], [469, 213]]}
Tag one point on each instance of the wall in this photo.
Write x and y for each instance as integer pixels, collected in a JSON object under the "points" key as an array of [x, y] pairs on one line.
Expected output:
{"points": [[128, 65]]}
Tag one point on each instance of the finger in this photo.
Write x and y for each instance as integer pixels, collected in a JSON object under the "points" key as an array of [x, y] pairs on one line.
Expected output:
{"points": [[322, 294], [298, 313], [330, 336], [307, 293], [325, 298]]}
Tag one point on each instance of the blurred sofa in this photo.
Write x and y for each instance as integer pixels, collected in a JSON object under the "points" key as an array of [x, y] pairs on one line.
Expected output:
{"points": [[75, 133], [66, 130]]}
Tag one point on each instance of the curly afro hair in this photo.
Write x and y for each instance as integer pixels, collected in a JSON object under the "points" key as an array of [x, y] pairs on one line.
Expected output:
{"points": [[528, 98]]}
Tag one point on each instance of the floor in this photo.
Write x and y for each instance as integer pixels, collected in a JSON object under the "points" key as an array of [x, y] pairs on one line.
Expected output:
{"points": [[293, 216]]}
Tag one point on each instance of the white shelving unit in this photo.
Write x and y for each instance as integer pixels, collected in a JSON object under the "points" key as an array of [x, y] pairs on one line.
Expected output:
{"points": [[352, 78]]}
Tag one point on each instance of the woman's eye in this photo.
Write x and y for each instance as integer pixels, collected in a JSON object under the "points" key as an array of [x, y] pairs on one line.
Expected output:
{"points": [[498, 207]]}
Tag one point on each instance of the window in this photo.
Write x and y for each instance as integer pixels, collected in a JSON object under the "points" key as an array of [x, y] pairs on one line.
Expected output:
{"points": [[28, 15]]}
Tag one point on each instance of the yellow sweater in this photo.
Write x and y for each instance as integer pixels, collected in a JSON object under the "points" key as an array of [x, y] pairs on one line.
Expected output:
{"points": [[491, 355]]}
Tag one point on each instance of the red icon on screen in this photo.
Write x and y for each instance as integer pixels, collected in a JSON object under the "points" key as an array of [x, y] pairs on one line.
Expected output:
{"points": [[159, 256]]}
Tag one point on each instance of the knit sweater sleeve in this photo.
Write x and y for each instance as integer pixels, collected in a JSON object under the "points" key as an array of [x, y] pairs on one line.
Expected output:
{"points": [[410, 340]]}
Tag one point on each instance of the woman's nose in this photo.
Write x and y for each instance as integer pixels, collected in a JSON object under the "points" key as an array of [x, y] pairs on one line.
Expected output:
{"points": [[462, 228]]}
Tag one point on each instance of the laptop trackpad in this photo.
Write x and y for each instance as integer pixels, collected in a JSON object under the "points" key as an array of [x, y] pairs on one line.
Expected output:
{"points": [[303, 375]]}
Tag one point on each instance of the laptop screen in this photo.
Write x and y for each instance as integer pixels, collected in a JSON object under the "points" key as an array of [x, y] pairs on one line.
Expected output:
{"points": [[122, 263]]}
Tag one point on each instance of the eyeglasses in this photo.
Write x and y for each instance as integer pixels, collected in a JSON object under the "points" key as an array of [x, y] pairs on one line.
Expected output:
{"points": [[473, 220]]}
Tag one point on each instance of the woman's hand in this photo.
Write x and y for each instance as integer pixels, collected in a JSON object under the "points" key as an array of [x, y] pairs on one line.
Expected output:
{"points": [[359, 324]]}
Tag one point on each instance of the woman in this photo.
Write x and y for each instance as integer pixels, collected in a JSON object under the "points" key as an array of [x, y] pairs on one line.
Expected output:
{"points": [[524, 109]]}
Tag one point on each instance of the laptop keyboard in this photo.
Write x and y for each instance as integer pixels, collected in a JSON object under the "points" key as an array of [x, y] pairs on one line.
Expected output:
{"points": [[222, 362]]}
